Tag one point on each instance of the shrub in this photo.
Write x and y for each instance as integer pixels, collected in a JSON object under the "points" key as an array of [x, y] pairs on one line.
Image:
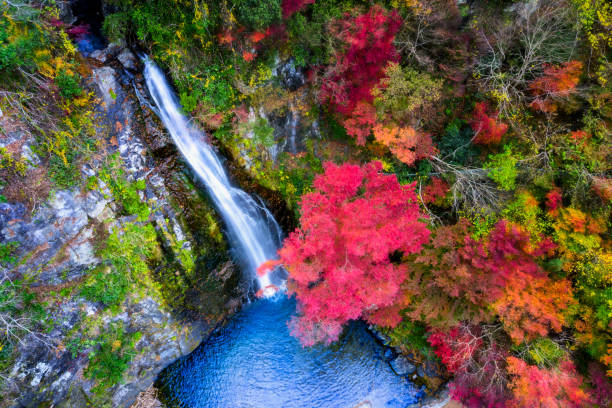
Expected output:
{"points": [[125, 192], [68, 84], [107, 286], [7, 251], [502, 169], [108, 364], [258, 14], [128, 251], [407, 95]]}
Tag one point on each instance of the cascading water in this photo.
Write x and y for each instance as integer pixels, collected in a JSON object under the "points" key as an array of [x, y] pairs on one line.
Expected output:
{"points": [[253, 362], [253, 231]]}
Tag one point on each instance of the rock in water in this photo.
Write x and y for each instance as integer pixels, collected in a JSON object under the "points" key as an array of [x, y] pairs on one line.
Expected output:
{"points": [[402, 366]]}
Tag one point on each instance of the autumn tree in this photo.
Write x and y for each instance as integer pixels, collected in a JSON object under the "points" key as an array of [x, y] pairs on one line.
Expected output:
{"points": [[368, 48], [518, 49], [339, 260], [555, 83], [487, 129], [407, 144], [361, 122], [406, 95], [532, 307], [534, 387], [474, 356]]}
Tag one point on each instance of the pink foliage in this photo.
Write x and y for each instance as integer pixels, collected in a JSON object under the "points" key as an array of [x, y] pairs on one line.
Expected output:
{"points": [[338, 261], [506, 253], [293, 6], [477, 363], [369, 48], [602, 386], [79, 31], [554, 200], [361, 122]]}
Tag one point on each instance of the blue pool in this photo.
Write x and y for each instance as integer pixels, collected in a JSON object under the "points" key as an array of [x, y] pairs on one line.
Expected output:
{"points": [[253, 362]]}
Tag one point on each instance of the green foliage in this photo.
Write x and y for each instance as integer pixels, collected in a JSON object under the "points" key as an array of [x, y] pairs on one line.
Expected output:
{"points": [[64, 174], [258, 14], [406, 94], [17, 305], [482, 222], [542, 352], [115, 26], [7, 251], [106, 285], [108, 364], [455, 145], [127, 250], [10, 164], [69, 85], [18, 39], [411, 336], [125, 192], [189, 101], [263, 133], [524, 210], [502, 168]]}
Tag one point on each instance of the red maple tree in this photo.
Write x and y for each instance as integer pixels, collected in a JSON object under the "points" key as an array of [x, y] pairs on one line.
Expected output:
{"points": [[535, 387], [556, 82], [472, 354], [360, 66], [485, 125], [339, 259]]}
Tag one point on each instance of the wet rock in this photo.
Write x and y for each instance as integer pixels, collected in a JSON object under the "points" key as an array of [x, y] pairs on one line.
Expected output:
{"points": [[158, 138], [65, 11], [82, 253], [402, 366], [381, 337], [440, 399], [388, 354], [10, 212], [58, 242], [107, 83], [107, 53], [127, 59], [291, 76], [94, 204]]}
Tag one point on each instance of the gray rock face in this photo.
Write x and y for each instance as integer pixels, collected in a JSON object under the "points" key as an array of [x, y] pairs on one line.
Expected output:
{"points": [[56, 235], [107, 83], [402, 366], [65, 11], [106, 54], [57, 245], [127, 59], [291, 76]]}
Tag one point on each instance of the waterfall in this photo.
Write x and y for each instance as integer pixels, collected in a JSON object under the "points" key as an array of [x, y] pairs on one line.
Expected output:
{"points": [[252, 230]]}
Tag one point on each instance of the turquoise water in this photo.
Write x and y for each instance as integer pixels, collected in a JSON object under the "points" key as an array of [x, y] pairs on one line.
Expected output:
{"points": [[253, 362]]}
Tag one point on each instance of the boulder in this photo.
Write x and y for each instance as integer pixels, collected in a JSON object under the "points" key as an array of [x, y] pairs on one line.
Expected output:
{"points": [[107, 83], [128, 60], [107, 53], [402, 366]]}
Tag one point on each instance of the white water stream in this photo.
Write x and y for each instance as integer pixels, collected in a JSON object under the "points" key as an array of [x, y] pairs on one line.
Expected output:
{"points": [[252, 230]]}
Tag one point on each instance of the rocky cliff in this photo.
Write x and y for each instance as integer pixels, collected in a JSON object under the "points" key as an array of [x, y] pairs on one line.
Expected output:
{"points": [[117, 276]]}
